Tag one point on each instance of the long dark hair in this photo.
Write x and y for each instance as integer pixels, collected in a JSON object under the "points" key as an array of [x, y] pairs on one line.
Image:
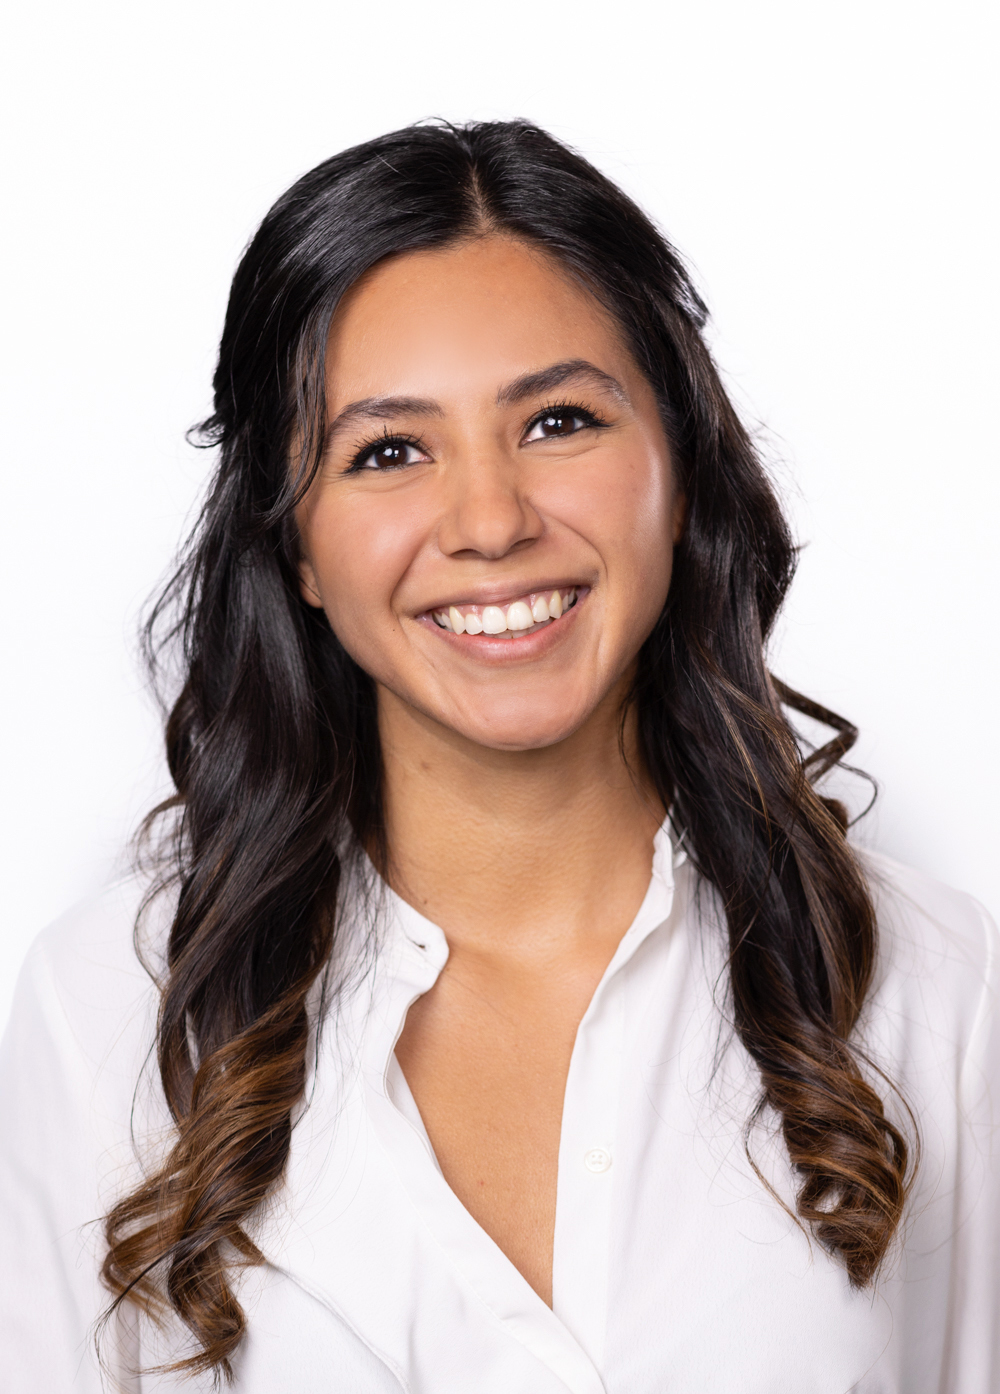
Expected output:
{"points": [[273, 745]]}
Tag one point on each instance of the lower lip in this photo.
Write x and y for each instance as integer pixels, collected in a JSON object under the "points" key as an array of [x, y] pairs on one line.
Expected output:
{"points": [[495, 648]]}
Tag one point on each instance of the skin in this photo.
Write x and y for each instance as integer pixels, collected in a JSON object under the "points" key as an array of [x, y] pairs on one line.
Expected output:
{"points": [[513, 820]]}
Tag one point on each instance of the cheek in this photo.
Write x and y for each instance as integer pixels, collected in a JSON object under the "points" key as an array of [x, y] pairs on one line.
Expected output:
{"points": [[361, 547], [623, 505]]}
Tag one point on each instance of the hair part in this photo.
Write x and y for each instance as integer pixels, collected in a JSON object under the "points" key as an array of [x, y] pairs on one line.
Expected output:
{"points": [[273, 743]]}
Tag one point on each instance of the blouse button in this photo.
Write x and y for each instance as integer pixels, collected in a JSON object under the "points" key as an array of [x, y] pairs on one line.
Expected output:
{"points": [[597, 1159]]}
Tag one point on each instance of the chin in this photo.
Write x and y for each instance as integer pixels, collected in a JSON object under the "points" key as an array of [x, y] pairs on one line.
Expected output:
{"points": [[523, 731]]}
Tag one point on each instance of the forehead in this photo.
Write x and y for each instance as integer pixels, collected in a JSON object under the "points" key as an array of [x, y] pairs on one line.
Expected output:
{"points": [[462, 319]]}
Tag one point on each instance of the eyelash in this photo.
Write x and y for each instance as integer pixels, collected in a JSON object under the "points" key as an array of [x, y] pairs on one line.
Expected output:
{"points": [[591, 421], [385, 437]]}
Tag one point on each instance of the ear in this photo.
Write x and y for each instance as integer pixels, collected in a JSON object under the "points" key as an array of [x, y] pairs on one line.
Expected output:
{"points": [[308, 588], [680, 516]]}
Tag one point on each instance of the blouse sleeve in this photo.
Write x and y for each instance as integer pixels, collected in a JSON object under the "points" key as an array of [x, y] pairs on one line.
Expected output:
{"points": [[60, 1156], [944, 1285], [973, 1356]]}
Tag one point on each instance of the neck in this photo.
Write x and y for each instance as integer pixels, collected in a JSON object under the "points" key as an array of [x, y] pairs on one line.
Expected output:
{"points": [[498, 847]]}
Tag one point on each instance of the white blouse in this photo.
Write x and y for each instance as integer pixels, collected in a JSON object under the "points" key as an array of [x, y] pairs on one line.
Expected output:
{"points": [[675, 1271]]}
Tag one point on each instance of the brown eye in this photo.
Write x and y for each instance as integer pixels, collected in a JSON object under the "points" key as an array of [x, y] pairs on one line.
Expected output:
{"points": [[559, 425], [559, 422], [390, 453]]}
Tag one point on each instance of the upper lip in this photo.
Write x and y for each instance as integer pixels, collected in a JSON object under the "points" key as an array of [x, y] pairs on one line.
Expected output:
{"points": [[501, 593]]}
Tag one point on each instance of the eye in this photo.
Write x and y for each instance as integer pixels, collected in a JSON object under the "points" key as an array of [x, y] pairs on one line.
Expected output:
{"points": [[561, 421], [388, 453]]}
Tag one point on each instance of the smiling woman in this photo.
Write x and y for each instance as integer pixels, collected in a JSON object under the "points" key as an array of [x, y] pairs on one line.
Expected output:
{"points": [[511, 985], [493, 502]]}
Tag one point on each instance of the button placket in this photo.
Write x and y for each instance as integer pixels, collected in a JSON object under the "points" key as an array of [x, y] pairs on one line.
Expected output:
{"points": [[586, 1186], [586, 1174]]}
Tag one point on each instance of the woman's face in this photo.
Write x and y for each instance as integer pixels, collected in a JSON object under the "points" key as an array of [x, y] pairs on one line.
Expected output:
{"points": [[491, 531]]}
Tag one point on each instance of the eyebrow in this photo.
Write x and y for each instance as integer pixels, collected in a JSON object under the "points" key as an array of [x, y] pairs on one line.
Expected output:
{"points": [[384, 409], [547, 379], [528, 385]]}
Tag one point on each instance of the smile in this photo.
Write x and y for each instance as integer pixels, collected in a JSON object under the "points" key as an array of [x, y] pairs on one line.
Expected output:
{"points": [[512, 620]]}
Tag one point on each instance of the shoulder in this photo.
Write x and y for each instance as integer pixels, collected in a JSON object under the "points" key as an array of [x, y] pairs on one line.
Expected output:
{"points": [[928, 911], [935, 990], [926, 925], [89, 982]]}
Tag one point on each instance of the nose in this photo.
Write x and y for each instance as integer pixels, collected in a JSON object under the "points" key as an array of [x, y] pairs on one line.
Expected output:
{"points": [[486, 512]]}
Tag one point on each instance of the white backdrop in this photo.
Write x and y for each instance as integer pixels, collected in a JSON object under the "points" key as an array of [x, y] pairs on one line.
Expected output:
{"points": [[826, 170]]}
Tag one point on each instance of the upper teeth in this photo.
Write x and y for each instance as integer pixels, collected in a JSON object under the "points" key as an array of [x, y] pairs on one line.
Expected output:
{"points": [[517, 616]]}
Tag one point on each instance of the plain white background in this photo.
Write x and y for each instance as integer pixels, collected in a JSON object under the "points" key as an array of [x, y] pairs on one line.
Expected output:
{"points": [[827, 171]]}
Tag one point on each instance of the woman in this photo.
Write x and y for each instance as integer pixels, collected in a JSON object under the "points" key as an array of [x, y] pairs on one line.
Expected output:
{"points": [[521, 1017]]}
